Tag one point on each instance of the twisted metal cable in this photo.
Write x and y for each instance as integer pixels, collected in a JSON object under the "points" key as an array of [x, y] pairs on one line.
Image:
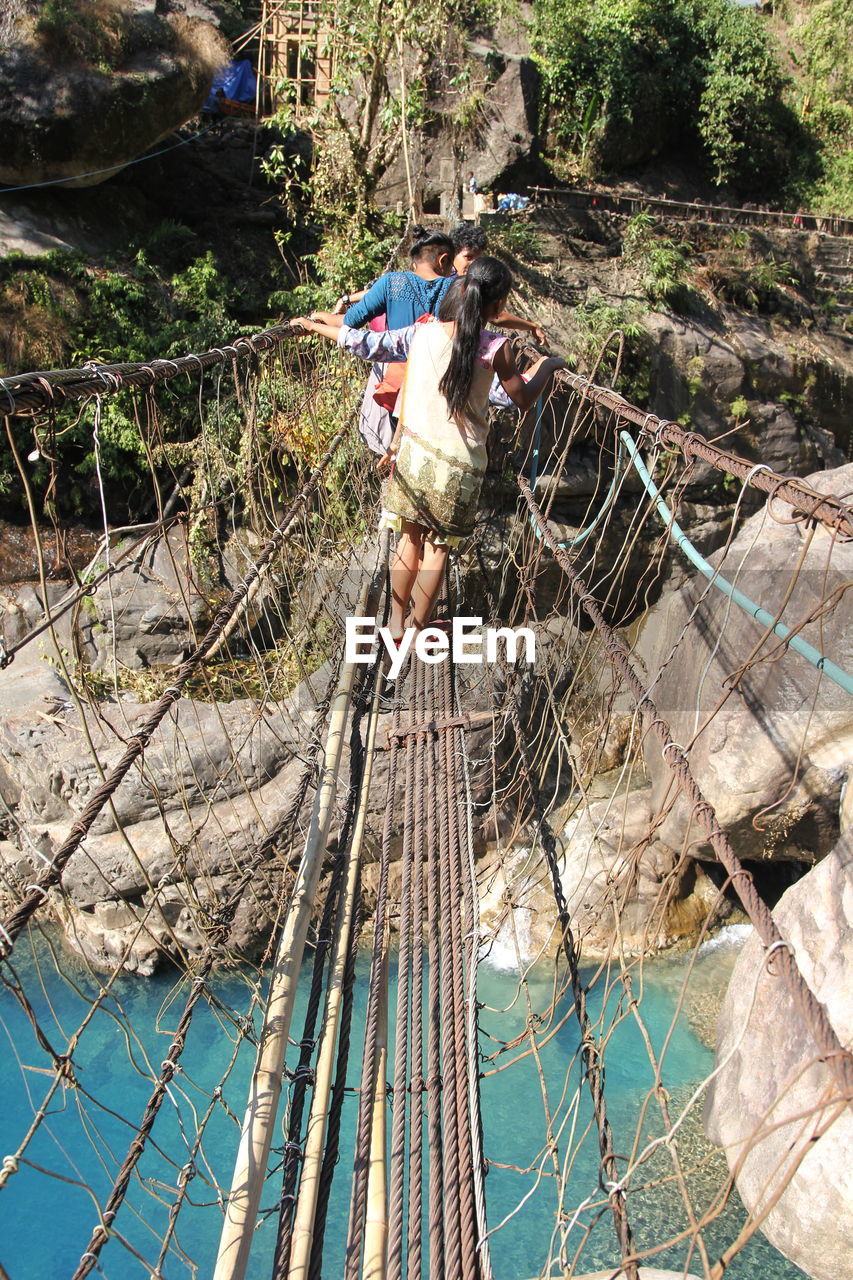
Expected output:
{"points": [[414, 1260], [452, 782], [434, 1082], [29, 392], [407, 941], [829, 510]]}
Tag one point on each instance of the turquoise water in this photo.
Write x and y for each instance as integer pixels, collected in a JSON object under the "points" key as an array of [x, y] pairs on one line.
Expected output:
{"points": [[47, 1217]]}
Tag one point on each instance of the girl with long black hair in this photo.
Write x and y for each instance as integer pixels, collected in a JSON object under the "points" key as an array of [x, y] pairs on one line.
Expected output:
{"points": [[438, 454]]}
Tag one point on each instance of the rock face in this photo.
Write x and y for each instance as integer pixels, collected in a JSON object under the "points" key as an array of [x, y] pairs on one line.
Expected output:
{"points": [[71, 104], [780, 743], [490, 128], [215, 785], [770, 1079], [215, 791], [700, 369], [154, 608], [605, 857]]}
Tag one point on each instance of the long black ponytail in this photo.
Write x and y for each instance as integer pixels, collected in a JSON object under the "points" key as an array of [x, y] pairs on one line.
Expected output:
{"points": [[485, 281]]}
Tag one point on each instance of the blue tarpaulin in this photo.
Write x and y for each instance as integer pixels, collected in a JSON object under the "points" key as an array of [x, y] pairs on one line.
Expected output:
{"points": [[237, 82]]}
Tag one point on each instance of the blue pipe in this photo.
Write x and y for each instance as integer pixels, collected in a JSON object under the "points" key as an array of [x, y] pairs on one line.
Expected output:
{"points": [[808, 651]]}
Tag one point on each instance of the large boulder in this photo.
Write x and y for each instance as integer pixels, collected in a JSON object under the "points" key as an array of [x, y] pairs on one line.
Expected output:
{"points": [[87, 97], [770, 745], [491, 130], [605, 857], [155, 606], [772, 1105], [210, 794]]}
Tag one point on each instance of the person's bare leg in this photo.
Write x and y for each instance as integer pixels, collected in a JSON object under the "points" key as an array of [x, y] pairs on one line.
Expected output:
{"points": [[428, 584], [404, 572]]}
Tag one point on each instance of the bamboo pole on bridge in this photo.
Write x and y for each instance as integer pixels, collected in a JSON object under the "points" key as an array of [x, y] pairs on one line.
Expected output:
{"points": [[376, 1223], [315, 1138], [265, 1088]]}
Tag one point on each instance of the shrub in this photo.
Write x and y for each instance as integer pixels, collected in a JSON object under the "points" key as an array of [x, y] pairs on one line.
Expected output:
{"points": [[89, 31], [627, 79], [661, 262]]}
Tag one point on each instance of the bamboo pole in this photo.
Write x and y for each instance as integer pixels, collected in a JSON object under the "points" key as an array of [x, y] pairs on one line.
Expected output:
{"points": [[265, 1088], [376, 1224], [315, 1138]]}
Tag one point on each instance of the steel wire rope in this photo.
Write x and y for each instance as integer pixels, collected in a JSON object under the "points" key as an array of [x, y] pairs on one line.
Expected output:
{"points": [[369, 1068], [408, 937], [589, 1050], [761, 615], [446, 905], [435, 1082], [823, 507], [472, 908], [418, 1084], [26, 392], [453, 908]]}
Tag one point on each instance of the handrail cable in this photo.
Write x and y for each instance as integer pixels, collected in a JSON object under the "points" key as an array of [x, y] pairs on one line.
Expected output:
{"points": [[806, 650]]}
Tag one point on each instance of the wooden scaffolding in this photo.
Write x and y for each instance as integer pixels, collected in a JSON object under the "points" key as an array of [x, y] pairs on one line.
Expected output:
{"points": [[295, 54]]}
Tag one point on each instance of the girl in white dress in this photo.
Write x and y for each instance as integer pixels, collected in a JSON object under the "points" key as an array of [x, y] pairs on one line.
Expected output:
{"points": [[438, 454]]}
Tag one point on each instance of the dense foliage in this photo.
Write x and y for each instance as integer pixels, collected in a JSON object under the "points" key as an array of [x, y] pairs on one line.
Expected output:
{"points": [[629, 79], [827, 105], [165, 298]]}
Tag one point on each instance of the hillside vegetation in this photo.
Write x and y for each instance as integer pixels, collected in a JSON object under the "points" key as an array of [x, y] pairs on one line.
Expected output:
{"points": [[760, 102]]}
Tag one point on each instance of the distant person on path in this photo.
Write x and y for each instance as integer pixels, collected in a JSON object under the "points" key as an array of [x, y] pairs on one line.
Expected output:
{"points": [[438, 454]]}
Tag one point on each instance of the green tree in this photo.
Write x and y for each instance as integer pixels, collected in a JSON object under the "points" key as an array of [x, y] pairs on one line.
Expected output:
{"points": [[628, 79]]}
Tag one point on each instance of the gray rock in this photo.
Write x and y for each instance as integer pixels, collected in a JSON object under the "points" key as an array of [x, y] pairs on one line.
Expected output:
{"points": [[501, 139], [151, 612], [604, 858], [771, 1104], [63, 120], [781, 743], [687, 347]]}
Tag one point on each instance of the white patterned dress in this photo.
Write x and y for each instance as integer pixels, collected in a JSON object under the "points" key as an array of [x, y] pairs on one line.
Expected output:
{"points": [[439, 469]]}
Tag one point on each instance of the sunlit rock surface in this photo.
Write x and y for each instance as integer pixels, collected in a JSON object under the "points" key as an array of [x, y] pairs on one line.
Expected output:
{"points": [[773, 1105], [78, 110]]}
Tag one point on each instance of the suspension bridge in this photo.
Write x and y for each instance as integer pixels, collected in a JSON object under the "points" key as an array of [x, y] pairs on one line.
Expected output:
{"points": [[392, 810]]}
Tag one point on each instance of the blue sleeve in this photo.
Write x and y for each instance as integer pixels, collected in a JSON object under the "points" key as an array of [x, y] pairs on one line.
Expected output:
{"points": [[388, 347], [374, 302]]}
